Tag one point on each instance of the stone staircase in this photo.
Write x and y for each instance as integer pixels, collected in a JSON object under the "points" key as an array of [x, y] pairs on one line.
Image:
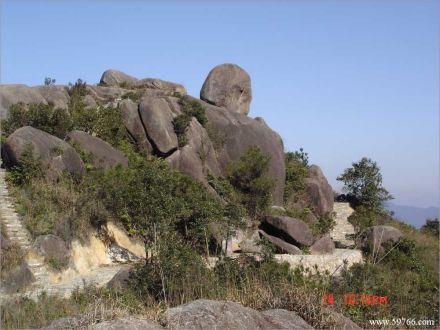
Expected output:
{"points": [[17, 233], [343, 232]]}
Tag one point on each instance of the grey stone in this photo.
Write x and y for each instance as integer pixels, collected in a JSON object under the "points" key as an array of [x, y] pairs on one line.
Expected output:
{"points": [[17, 279], [228, 86], [319, 192], [157, 119], [290, 229], [133, 125], [323, 245], [51, 247], [209, 314], [197, 157], [116, 78], [170, 87], [55, 155], [16, 93], [238, 133], [120, 280], [126, 323], [103, 154], [281, 245], [377, 237], [283, 319], [342, 322], [55, 95]]}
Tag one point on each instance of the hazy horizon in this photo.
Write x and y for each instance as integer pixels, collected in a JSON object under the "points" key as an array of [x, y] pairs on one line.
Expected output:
{"points": [[342, 80]]}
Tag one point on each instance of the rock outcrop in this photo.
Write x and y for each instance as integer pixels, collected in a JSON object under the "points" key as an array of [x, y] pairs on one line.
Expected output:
{"points": [[282, 245], [291, 230], [103, 155], [51, 247], [323, 245], [55, 155], [210, 314], [376, 238], [117, 78], [17, 93], [228, 86], [55, 95]]}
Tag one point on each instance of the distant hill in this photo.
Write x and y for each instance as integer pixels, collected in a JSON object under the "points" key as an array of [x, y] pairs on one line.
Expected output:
{"points": [[412, 215]]}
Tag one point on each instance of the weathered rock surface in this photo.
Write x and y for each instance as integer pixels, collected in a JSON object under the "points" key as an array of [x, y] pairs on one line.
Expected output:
{"points": [[282, 245], [377, 237], [319, 192], [116, 78], [323, 245], [228, 86], [153, 83], [120, 280], [102, 153], [55, 95], [209, 314], [283, 319], [127, 323], [198, 156], [344, 323], [15, 93], [55, 155], [157, 118], [133, 124], [17, 279], [291, 230], [238, 133], [51, 247]]}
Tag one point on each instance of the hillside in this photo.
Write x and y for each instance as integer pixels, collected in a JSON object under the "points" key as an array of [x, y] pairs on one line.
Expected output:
{"points": [[131, 204]]}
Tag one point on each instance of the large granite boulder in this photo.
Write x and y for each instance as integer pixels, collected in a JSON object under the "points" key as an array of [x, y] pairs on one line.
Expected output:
{"points": [[319, 192], [210, 314], [318, 195], [57, 96], [103, 155], [378, 237], [16, 93], [291, 230], [126, 323], [134, 126], [51, 247], [228, 86], [54, 154], [157, 118], [238, 133], [198, 157], [166, 86], [323, 245], [117, 78], [282, 246], [283, 319], [18, 278]]}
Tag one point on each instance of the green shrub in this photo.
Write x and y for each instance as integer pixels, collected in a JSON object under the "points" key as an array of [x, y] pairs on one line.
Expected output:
{"points": [[52, 120], [27, 169], [180, 124], [296, 173], [190, 108], [431, 226], [248, 175], [363, 218], [193, 109]]}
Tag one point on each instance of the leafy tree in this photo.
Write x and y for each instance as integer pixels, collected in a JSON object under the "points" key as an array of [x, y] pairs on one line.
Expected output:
{"points": [[431, 226], [363, 183], [248, 175]]}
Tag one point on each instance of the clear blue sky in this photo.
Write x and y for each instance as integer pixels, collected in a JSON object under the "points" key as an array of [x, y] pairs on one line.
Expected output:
{"points": [[342, 79]]}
